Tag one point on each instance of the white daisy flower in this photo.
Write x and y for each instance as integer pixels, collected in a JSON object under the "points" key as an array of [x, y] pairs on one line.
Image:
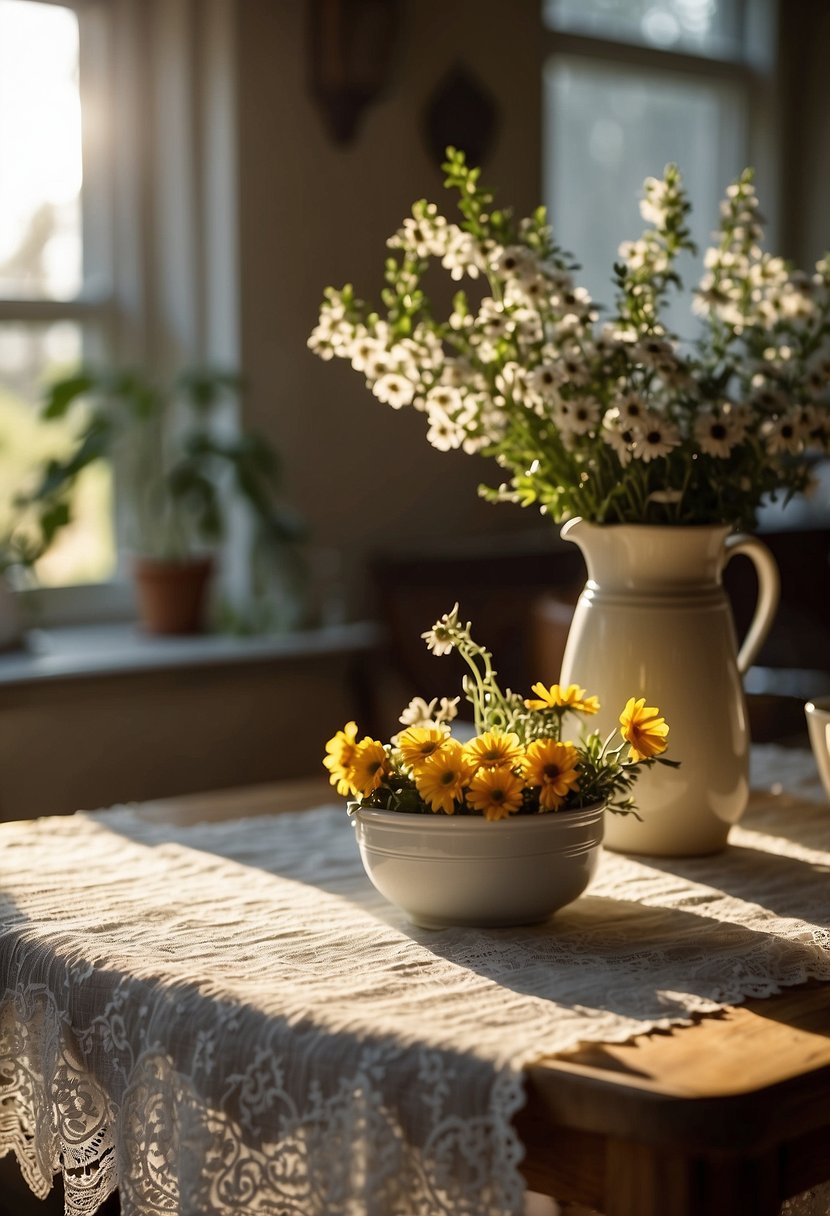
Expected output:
{"points": [[514, 262], [394, 390], [713, 434], [486, 351], [328, 323], [796, 305], [581, 417], [543, 382], [424, 233], [767, 271], [634, 253], [736, 423], [654, 352], [319, 340], [529, 330], [656, 438], [492, 320], [577, 300], [632, 410], [654, 206], [560, 413], [618, 436], [403, 359], [573, 369], [444, 432], [443, 397], [363, 347], [784, 435], [376, 363], [739, 418], [533, 291], [342, 336], [441, 638], [462, 255], [510, 381]]}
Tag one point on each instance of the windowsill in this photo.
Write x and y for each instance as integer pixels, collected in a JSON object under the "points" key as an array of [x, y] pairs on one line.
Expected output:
{"points": [[101, 650]]}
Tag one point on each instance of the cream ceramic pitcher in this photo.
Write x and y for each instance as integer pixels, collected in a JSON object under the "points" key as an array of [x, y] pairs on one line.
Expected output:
{"points": [[654, 621]]}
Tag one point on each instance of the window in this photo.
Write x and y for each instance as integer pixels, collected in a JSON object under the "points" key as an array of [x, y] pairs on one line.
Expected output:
{"points": [[631, 85], [55, 260], [117, 239]]}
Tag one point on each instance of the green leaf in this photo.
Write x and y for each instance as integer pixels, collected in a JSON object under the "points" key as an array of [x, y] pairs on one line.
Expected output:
{"points": [[64, 393], [52, 519]]}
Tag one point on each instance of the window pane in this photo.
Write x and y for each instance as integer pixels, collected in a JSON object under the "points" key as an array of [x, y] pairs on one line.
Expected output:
{"points": [[609, 128], [40, 151], [707, 27], [31, 355]]}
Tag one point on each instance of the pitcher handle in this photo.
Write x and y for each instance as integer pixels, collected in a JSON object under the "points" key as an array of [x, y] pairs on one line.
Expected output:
{"points": [[769, 590]]}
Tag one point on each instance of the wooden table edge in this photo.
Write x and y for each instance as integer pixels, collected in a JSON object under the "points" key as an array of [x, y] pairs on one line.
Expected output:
{"points": [[753, 1074]]}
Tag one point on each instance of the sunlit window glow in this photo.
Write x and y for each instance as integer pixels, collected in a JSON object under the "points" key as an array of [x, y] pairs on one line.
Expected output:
{"points": [[708, 27], [41, 258], [40, 151]]}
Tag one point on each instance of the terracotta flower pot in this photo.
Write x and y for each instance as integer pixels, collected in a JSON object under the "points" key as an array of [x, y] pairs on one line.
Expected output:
{"points": [[11, 624], [172, 595]]}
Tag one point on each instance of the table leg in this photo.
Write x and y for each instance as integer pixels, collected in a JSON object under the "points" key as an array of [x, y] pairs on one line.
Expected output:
{"points": [[645, 1180]]}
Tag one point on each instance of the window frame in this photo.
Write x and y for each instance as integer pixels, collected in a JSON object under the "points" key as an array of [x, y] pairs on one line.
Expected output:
{"points": [[755, 71]]}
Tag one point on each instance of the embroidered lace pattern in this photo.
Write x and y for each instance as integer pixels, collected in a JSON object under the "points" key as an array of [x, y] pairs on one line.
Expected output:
{"points": [[226, 1018]]}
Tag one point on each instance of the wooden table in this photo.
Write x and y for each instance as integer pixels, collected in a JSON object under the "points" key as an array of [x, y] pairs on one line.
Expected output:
{"points": [[727, 1117]]}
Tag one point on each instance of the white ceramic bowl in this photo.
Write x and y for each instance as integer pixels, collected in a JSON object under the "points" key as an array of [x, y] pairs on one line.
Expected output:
{"points": [[463, 870], [818, 725]]}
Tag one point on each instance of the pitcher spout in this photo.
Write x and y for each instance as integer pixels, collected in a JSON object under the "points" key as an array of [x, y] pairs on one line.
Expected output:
{"points": [[572, 529]]}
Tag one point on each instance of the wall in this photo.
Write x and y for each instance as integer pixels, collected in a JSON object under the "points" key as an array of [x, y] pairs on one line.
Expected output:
{"points": [[803, 45], [145, 732], [314, 214]]}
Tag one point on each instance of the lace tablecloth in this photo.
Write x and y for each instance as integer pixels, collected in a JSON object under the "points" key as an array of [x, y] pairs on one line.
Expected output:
{"points": [[226, 1018]]}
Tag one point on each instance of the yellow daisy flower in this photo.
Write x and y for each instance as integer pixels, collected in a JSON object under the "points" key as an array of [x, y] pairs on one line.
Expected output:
{"points": [[440, 780], [496, 792], [643, 729], [418, 743], [495, 749], [338, 758], [572, 697], [369, 766], [551, 766]]}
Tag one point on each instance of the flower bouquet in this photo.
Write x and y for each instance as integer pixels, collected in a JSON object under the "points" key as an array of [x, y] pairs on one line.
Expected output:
{"points": [[617, 420], [501, 828], [519, 761]]}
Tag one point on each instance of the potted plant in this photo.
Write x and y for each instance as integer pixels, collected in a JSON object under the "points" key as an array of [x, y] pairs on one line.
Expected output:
{"points": [[505, 827], [183, 469]]}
